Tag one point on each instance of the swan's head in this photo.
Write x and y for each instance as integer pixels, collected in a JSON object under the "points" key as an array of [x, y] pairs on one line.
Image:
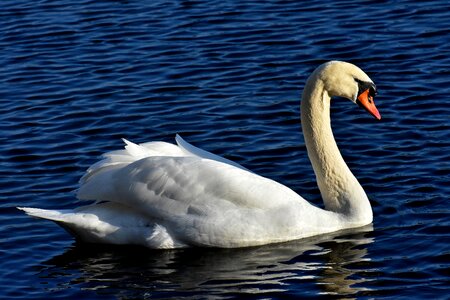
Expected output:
{"points": [[342, 79]]}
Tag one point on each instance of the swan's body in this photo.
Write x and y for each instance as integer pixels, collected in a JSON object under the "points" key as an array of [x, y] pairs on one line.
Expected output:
{"points": [[162, 195]]}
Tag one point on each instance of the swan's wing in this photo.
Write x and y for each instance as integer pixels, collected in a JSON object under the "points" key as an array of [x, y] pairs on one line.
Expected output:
{"points": [[133, 152], [186, 180], [200, 201]]}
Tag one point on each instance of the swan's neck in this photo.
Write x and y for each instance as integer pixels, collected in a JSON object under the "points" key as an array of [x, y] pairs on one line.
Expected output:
{"points": [[340, 190]]}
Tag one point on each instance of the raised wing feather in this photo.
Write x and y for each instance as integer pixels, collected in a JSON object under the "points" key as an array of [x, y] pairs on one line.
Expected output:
{"points": [[191, 150]]}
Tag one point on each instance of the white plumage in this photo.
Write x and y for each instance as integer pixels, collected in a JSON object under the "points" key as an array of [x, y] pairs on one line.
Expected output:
{"points": [[162, 195]]}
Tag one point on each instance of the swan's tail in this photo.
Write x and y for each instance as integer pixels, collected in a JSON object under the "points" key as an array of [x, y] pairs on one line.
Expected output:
{"points": [[109, 223], [63, 218], [87, 227], [77, 224], [52, 215]]}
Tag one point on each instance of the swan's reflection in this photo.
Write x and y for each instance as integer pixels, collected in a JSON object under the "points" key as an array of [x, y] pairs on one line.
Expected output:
{"points": [[318, 265]]}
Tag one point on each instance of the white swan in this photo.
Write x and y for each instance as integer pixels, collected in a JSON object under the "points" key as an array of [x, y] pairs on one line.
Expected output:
{"points": [[162, 195]]}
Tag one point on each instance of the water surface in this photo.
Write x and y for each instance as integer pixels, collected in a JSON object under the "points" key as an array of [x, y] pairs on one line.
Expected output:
{"points": [[75, 77]]}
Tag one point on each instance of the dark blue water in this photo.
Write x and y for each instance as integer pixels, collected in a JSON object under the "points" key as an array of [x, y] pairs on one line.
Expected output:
{"points": [[76, 76]]}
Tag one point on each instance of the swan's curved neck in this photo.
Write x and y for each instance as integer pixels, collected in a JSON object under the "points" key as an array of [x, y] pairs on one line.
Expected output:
{"points": [[340, 190]]}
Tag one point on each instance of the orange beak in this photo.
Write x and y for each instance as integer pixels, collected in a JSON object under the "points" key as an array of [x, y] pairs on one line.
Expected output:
{"points": [[366, 101]]}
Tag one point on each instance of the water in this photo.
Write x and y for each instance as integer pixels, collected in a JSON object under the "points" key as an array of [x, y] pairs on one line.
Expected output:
{"points": [[75, 77]]}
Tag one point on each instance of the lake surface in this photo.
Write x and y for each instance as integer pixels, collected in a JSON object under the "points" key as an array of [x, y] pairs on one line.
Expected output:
{"points": [[76, 76]]}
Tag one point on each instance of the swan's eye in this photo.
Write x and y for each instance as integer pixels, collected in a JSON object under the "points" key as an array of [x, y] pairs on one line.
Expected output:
{"points": [[364, 86]]}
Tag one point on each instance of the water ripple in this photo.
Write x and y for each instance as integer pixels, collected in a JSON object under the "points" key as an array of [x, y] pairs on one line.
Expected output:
{"points": [[77, 77]]}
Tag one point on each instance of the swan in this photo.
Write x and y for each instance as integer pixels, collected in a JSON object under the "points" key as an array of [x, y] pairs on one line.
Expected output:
{"points": [[162, 195]]}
